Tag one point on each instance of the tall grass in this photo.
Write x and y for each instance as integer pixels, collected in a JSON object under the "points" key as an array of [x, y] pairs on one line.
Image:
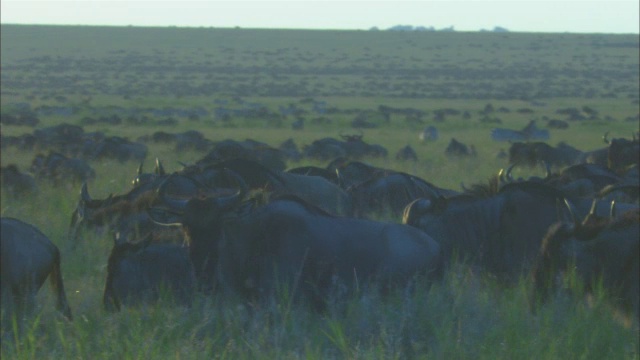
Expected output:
{"points": [[465, 316]]}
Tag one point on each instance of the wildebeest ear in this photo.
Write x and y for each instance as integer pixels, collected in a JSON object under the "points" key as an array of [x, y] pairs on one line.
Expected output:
{"points": [[164, 216]]}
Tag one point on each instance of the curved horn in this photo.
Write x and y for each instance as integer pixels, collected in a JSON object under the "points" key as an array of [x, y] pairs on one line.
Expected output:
{"points": [[612, 210], [415, 208], [508, 174], [84, 193], [571, 210], [177, 204], [228, 201], [159, 168], [604, 138], [547, 169], [464, 188], [592, 211], [501, 176]]}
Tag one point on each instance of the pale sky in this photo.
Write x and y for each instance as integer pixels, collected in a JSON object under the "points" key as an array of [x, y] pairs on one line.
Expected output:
{"points": [[601, 16]]}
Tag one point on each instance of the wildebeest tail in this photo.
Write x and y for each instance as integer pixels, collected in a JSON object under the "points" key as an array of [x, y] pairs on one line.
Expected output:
{"points": [[58, 286]]}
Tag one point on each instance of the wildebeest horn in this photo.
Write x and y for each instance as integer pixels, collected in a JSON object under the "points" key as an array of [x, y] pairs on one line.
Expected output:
{"points": [[571, 209], [84, 193], [547, 169], [612, 210], [226, 201], [464, 188], [604, 138], [159, 168], [592, 211], [508, 174], [140, 168], [177, 204]]}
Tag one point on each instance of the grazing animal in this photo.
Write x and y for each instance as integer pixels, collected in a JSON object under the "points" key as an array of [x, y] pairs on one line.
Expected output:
{"points": [[498, 230], [314, 189], [291, 244], [138, 274], [456, 148], [27, 258], [17, 183], [389, 193], [600, 249]]}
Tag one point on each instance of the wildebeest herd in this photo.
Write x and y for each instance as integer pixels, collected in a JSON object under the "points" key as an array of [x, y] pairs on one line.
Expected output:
{"points": [[236, 222]]}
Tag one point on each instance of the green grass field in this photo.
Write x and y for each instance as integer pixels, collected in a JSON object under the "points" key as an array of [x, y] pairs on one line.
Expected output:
{"points": [[98, 70]]}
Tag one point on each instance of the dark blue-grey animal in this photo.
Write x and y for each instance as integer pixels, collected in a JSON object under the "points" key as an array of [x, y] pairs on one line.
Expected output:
{"points": [[387, 194], [407, 153], [533, 153], [430, 133], [499, 231], [143, 273], [314, 189], [27, 258], [16, 183], [529, 132], [605, 249], [255, 251]]}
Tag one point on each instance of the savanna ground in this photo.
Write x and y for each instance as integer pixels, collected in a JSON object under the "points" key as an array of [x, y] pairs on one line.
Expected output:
{"points": [[66, 74]]}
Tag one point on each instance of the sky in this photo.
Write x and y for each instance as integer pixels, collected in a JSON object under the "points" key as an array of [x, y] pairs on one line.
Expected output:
{"points": [[573, 16]]}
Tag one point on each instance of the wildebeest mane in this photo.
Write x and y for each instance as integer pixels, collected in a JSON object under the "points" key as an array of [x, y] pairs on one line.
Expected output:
{"points": [[489, 189], [315, 210], [125, 207], [252, 172]]}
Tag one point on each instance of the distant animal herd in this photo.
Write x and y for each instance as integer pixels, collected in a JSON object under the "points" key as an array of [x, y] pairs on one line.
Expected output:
{"points": [[238, 222]]}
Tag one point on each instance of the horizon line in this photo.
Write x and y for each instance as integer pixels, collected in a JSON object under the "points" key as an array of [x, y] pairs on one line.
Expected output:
{"points": [[371, 29]]}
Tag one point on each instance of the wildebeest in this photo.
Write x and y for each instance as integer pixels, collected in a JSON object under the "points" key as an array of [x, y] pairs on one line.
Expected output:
{"points": [[126, 214], [388, 194], [499, 230], [248, 149], [622, 153], [407, 153], [145, 178], [456, 148], [119, 148], [291, 244], [599, 249], [533, 153], [27, 258], [352, 147], [314, 189], [60, 169], [529, 132], [142, 273], [430, 133], [15, 182]]}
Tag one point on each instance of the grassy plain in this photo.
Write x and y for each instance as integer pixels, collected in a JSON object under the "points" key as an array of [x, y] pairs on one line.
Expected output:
{"points": [[467, 316]]}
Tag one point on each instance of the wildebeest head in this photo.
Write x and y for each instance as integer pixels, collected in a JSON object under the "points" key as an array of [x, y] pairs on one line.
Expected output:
{"points": [[201, 219], [598, 248], [145, 178], [622, 154], [83, 215]]}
